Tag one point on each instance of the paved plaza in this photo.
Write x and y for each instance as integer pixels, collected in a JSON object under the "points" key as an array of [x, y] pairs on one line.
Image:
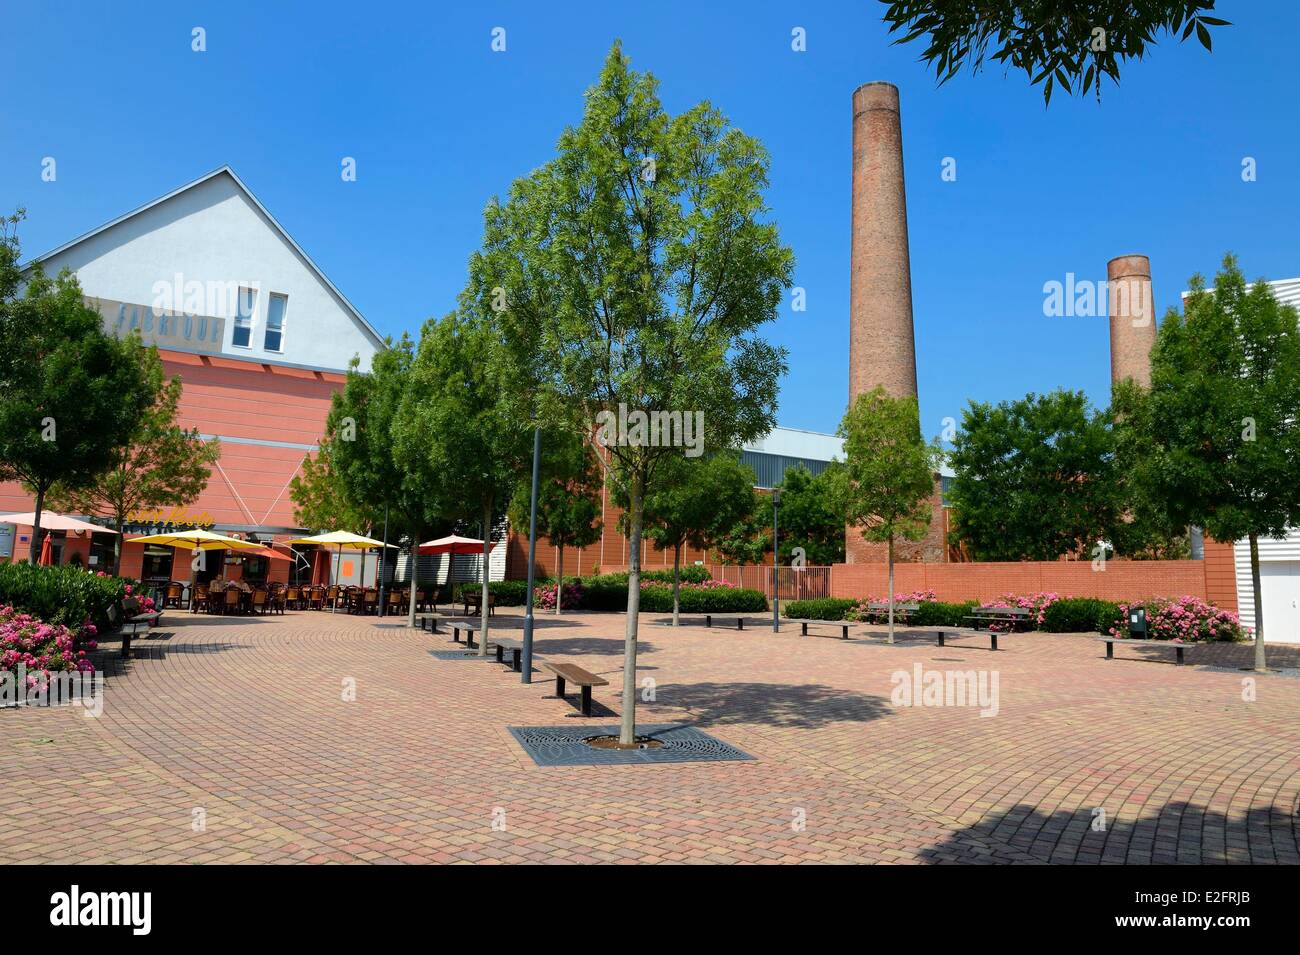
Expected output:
{"points": [[230, 740]]}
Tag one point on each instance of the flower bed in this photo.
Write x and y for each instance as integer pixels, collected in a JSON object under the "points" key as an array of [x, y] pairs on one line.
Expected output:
{"points": [[61, 595], [1183, 620], [41, 648]]}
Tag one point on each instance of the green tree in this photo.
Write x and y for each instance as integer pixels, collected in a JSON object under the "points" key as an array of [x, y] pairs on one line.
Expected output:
{"points": [[810, 518], [73, 395], [748, 539], [568, 498], [1222, 419], [633, 271], [320, 499], [694, 501], [1035, 478], [406, 494], [888, 476], [1057, 41], [161, 464], [458, 422]]}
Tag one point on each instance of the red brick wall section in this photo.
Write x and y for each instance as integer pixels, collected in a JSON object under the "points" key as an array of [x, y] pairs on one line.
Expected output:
{"points": [[1220, 575], [1121, 580]]}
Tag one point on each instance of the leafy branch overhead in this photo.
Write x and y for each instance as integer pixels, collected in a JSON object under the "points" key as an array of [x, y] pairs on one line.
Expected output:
{"points": [[1070, 44]]}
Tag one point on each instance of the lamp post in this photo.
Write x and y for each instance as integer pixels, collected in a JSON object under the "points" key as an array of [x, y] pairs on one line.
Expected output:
{"points": [[526, 656], [776, 563], [383, 560]]}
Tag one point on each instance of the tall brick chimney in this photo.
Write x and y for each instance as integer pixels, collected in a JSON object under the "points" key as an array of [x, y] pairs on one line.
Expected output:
{"points": [[881, 347], [1132, 318]]}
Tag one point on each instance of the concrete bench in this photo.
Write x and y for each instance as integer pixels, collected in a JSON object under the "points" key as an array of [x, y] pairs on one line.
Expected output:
{"points": [[429, 624], [513, 647], [1179, 648], [804, 624], [469, 629], [135, 623]]}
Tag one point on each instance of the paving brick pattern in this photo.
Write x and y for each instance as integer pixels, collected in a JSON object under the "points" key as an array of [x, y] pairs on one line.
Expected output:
{"points": [[229, 740]]}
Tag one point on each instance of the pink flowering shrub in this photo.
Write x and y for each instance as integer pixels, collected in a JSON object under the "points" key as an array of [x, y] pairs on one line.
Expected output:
{"points": [[42, 648], [1036, 604], [1183, 620], [544, 596], [862, 609]]}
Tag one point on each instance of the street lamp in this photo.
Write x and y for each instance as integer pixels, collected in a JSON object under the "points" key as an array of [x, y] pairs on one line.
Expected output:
{"points": [[526, 656], [776, 564]]}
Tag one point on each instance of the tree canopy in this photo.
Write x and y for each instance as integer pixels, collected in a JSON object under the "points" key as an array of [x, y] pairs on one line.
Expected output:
{"points": [[630, 274], [73, 394], [1062, 44], [161, 464], [1222, 420]]}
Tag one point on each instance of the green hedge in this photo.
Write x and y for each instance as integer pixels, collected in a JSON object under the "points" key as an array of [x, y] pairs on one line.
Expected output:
{"points": [[937, 613], [1079, 615], [819, 608], [64, 595], [508, 593], [659, 599]]}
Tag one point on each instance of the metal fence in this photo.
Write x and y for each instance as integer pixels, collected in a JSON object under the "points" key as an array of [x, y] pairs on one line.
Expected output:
{"points": [[796, 583]]}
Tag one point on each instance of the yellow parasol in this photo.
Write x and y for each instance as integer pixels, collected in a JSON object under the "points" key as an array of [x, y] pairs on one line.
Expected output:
{"points": [[340, 540]]}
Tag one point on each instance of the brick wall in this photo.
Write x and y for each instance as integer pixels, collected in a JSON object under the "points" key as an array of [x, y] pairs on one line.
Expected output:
{"points": [[1121, 580]]}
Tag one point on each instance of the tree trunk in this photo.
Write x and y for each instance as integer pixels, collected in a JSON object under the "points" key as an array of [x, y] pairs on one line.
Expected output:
{"points": [[559, 581], [483, 605], [1260, 664], [891, 588], [627, 730], [677, 586], [36, 526], [119, 520], [415, 580]]}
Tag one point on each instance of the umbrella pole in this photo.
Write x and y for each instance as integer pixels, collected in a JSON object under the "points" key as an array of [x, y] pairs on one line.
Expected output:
{"points": [[334, 604]]}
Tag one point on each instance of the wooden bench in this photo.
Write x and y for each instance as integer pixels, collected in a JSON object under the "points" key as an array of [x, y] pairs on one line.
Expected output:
{"points": [[1179, 648], [571, 673], [983, 616], [475, 599], [804, 624], [903, 613], [468, 629], [513, 647]]}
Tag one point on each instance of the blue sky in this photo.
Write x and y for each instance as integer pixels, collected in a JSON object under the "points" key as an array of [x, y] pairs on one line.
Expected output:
{"points": [[438, 123]]}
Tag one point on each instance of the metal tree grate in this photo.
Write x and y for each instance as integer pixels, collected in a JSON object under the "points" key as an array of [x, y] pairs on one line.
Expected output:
{"points": [[566, 746]]}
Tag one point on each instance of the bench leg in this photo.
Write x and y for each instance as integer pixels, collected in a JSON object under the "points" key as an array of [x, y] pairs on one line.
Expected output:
{"points": [[940, 638], [501, 654], [126, 644], [559, 687], [844, 632], [803, 629], [514, 660], [434, 623], [740, 623], [993, 635], [708, 620], [586, 701], [1110, 650], [1179, 651]]}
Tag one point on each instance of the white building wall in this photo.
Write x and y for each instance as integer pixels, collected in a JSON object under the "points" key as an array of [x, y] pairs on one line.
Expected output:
{"points": [[1271, 551], [215, 234]]}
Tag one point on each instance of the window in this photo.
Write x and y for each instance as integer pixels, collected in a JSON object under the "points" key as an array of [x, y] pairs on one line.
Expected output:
{"points": [[157, 563], [275, 307], [244, 307]]}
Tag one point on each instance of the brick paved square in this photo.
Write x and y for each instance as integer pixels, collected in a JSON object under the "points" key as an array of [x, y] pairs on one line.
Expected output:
{"points": [[234, 740]]}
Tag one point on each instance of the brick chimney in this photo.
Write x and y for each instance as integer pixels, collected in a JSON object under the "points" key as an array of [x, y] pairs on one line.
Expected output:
{"points": [[881, 346], [1132, 318], [882, 349]]}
